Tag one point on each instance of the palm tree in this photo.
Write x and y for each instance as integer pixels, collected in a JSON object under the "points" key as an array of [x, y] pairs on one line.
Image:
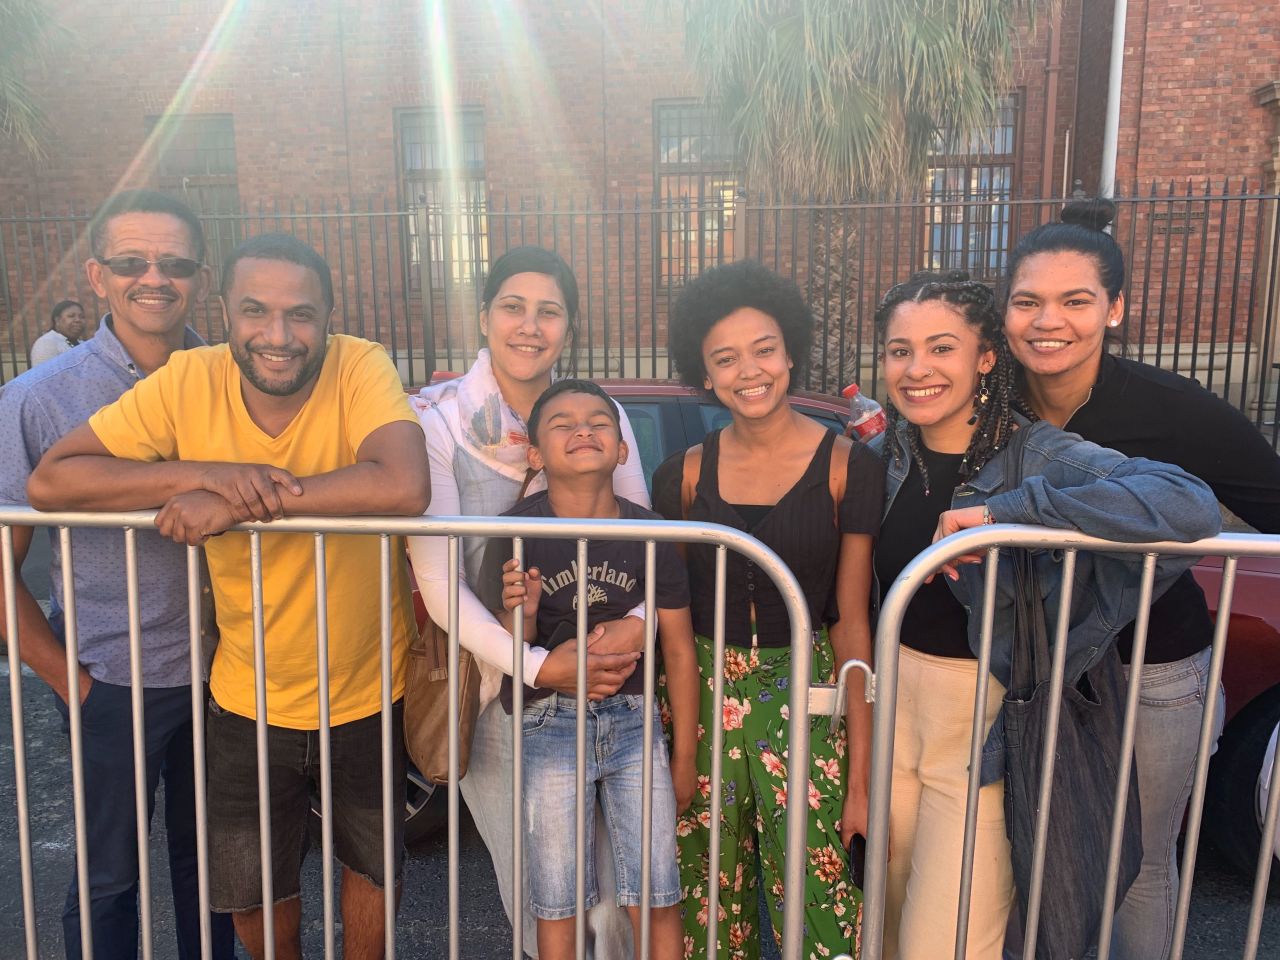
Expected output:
{"points": [[841, 99], [25, 28]]}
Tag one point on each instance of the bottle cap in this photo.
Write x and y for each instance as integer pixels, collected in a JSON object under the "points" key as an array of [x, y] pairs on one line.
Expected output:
{"points": [[850, 391]]}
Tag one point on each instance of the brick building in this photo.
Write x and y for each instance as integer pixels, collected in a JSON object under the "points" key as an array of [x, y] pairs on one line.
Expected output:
{"points": [[413, 142]]}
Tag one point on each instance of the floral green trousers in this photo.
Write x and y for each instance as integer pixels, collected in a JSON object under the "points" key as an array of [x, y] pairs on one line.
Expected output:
{"points": [[753, 813]]}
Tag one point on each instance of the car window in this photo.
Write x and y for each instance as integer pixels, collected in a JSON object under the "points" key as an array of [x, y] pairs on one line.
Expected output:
{"points": [[646, 421], [714, 416]]}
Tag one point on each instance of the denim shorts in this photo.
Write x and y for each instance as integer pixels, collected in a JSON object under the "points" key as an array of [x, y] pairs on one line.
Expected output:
{"points": [[235, 871], [614, 767]]}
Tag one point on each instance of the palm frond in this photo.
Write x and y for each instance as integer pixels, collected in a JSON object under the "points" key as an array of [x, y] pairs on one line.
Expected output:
{"points": [[838, 98], [27, 31]]}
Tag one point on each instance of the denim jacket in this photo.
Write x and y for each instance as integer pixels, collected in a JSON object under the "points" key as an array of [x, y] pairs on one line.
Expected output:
{"points": [[1073, 484]]}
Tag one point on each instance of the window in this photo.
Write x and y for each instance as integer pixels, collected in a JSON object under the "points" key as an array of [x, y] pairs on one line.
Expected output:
{"points": [[196, 160], [442, 180], [976, 166], [696, 189]]}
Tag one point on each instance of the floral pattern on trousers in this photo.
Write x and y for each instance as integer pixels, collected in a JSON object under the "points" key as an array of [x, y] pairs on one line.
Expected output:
{"points": [[753, 809]]}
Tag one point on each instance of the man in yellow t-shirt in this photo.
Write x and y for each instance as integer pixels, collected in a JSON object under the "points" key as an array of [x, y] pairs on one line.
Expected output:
{"points": [[282, 419]]}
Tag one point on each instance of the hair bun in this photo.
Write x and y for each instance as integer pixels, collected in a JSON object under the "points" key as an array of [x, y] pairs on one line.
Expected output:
{"points": [[1095, 213]]}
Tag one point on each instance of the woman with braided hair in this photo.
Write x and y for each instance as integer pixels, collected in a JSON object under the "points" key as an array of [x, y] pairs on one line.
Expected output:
{"points": [[953, 406]]}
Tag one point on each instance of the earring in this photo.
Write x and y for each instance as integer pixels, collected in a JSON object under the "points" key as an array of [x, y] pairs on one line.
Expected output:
{"points": [[980, 399], [1113, 323]]}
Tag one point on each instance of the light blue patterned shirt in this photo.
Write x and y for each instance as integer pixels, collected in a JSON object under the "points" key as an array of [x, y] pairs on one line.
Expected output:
{"points": [[36, 410]]}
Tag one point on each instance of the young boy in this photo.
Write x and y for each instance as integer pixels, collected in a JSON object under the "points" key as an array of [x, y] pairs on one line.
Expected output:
{"points": [[575, 437]]}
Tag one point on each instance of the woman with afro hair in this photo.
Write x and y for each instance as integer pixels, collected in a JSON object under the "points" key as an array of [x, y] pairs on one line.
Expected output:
{"points": [[742, 334]]}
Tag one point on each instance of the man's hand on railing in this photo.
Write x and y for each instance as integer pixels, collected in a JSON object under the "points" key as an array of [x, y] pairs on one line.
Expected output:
{"points": [[250, 488], [192, 518]]}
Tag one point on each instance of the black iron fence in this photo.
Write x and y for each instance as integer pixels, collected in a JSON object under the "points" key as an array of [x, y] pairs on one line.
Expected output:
{"points": [[1204, 266]]}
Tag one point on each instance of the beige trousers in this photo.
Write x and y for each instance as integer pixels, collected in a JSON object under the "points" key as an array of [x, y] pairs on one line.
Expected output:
{"points": [[926, 821]]}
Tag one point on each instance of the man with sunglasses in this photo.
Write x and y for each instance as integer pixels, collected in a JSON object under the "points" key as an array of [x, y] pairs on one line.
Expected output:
{"points": [[147, 263]]}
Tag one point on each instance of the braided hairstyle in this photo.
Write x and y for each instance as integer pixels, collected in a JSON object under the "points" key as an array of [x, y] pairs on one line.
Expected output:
{"points": [[993, 415]]}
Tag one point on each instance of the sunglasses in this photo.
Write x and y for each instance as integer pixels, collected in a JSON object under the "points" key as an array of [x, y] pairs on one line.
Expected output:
{"points": [[175, 268]]}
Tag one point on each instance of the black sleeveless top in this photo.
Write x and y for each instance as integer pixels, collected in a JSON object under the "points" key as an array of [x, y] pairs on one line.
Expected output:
{"points": [[800, 528]]}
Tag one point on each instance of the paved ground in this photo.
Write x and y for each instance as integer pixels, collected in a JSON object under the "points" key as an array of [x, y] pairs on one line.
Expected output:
{"points": [[1220, 905]]}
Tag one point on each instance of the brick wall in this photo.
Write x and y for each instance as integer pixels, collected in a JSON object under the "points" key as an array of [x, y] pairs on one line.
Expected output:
{"points": [[567, 89]]}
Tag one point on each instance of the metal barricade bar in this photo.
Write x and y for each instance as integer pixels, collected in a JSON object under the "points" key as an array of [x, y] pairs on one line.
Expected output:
{"points": [[804, 700], [195, 638], [990, 539], [1129, 734], [19, 743], [326, 754], [650, 532]]}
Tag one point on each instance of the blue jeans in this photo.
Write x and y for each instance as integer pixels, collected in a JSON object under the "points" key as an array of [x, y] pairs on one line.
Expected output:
{"points": [[1171, 708], [110, 827], [488, 792], [614, 768]]}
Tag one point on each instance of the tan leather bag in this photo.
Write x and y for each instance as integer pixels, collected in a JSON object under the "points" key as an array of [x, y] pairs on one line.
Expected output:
{"points": [[426, 704], [426, 697]]}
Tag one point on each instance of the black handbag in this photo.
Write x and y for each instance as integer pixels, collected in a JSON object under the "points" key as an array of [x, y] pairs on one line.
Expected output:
{"points": [[1086, 771]]}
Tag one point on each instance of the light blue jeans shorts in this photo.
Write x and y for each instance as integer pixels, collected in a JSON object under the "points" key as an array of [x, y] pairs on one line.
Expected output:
{"points": [[614, 767]]}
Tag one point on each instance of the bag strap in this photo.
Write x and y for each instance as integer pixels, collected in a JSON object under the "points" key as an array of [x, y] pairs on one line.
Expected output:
{"points": [[692, 469]]}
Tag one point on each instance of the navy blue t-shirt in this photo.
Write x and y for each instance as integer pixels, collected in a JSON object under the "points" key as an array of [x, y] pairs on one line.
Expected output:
{"points": [[615, 580]]}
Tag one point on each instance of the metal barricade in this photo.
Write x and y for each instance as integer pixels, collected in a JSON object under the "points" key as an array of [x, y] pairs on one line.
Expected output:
{"points": [[989, 540], [650, 532]]}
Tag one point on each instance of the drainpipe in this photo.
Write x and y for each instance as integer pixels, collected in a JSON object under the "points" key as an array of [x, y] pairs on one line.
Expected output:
{"points": [[1111, 135], [1051, 71], [1268, 96]]}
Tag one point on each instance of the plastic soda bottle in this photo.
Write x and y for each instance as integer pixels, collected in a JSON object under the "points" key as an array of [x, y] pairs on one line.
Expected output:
{"points": [[866, 417]]}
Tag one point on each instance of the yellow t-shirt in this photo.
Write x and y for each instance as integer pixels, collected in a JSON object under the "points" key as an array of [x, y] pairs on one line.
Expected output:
{"points": [[192, 408]]}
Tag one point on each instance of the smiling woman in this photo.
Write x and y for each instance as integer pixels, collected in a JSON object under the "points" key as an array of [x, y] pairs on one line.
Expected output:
{"points": [[478, 446], [741, 333], [1066, 299]]}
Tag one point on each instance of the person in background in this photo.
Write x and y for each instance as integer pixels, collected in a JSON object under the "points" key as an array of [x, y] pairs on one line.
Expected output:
{"points": [[477, 445], [282, 419], [741, 333], [953, 408], [66, 328], [148, 264], [1065, 305]]}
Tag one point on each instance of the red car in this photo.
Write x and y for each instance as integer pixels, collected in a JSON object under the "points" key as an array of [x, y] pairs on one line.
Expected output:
{"points": [[1236, 802], [668, 416]]}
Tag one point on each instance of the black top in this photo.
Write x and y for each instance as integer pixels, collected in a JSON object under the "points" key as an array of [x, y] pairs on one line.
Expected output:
{"points": [[1144, 411], [801, 528], [935, 621], [615, 581]]}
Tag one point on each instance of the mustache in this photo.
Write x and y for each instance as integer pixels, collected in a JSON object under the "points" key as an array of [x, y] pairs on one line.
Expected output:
{"points": [[165, 291]]}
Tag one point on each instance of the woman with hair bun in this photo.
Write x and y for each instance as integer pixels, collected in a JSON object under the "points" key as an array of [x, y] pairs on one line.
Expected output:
{"points": [[1065, 301], [953, 409]]}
